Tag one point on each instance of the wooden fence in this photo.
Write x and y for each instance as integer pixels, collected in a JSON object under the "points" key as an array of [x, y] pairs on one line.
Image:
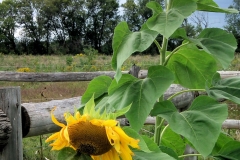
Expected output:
{"points": [[31, 119]]}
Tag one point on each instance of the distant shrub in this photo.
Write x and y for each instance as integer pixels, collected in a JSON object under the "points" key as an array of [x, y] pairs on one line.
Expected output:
{"points": [[90, 53], [69, 60]]}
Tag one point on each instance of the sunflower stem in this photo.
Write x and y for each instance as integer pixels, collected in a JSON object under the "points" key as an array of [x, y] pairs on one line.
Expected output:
{"points": [[189, 155], [161, 135], [157, 138], [188, 90], [162, 50]]}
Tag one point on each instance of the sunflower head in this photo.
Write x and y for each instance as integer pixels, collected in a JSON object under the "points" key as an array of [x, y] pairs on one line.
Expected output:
{"points": [[94, 134]]}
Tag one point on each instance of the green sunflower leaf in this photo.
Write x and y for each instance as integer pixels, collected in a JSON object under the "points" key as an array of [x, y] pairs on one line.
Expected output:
{"points": [[66, 154], [90, 108], [70, 154], [223, 139], [217, 42], [155, 7], [174, 141], [145, 144], [227, 88], [211, 6], [169, 151], [192, 67], [141, 93], [200, 124], [120, 112], [139, 155], [230, 151], [166, 23], [126, 42], [98, 86]]}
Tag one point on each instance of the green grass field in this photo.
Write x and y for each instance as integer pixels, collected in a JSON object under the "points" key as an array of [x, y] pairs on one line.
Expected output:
{"points": [[34, 148]]}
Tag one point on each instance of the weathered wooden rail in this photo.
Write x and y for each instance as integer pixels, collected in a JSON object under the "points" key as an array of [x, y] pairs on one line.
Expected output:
{"points": [[78, 76]]}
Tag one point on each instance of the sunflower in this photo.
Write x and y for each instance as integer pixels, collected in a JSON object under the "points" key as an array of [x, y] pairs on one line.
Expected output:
{"points": [[94, 134]]}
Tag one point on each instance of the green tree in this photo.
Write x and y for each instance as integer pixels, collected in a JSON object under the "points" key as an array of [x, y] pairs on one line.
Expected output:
{"points": [[130, 15], [233, 22], [102, 17], [8, 26], [65, 21], [32, 23]]}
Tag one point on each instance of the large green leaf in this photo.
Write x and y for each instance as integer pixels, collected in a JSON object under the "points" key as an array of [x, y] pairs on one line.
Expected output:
{"points": [[180, 33], [155, 7], [192, 67], [98, 86], [70, 154], [126, 42], [227, 88], [230, 151], [167, 22], [139, 155], [174, 141], [145, 143], [200, 124], [141, 93], [211, 6], [223, 139], [219, 43], [115, 90], [169, 151]]}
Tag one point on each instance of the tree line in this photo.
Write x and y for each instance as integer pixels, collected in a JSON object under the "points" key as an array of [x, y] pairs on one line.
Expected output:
{"points": [[69, 26]]}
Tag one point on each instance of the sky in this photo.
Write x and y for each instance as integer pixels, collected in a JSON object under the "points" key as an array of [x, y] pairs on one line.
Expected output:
{"points": [[215, 19]]}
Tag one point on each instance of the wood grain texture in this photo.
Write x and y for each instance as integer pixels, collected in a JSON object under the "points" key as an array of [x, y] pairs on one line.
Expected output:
{"points": [[10, 100], [5, 129]]}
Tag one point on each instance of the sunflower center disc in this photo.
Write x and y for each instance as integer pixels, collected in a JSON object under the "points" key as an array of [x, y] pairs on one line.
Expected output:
{"points": [[88, 138]]}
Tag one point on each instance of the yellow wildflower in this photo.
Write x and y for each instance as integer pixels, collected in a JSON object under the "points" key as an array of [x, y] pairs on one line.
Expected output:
{"points": [[24, 70]]}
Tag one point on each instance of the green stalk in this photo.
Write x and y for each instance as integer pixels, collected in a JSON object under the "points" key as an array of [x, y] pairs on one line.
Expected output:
{"points": [[163, 51], [161, 135], [158, 46], [175, 50], [159, 120], [188, 90], [189, 155]]}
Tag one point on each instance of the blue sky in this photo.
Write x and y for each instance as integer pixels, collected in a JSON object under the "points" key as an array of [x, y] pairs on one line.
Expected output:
{"points": [[218, 19], [215, 19]]}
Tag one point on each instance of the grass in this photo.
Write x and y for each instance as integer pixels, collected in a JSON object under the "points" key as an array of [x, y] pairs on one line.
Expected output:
{"points": [[34, 148], [64, 63]]}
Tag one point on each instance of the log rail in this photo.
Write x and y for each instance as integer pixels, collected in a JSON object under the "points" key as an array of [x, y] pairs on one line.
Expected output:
{"points": [[79, 76]]}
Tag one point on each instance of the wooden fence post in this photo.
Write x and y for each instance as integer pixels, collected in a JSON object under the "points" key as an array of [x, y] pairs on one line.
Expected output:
{"points": [[10, 104]]}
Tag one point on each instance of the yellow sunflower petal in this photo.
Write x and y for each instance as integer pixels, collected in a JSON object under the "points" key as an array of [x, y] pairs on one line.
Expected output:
{"points": [[113, 154], [58, 145], [132, 142], [77, 115], [125, 153], [97, 122], [96, 157], [113, 138], [69, 118], [64, 135], [106, 156], [110, 123], [52, 137], [55, 120]]}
